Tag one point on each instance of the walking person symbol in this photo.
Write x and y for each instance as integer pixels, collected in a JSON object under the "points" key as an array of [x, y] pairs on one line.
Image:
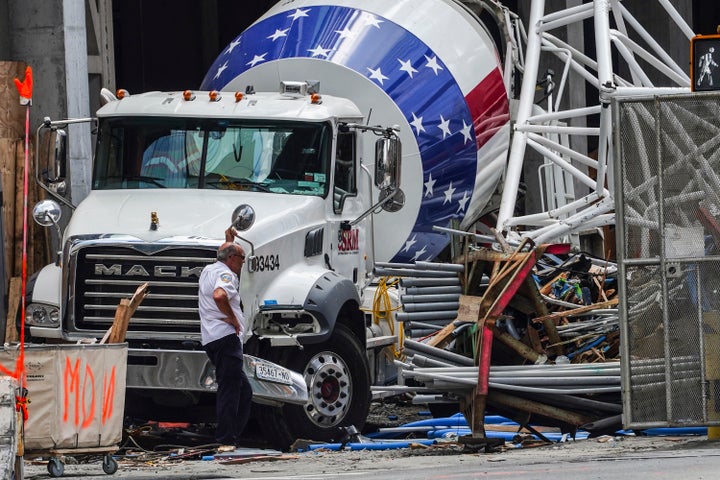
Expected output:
{"points": [[705, 64]]}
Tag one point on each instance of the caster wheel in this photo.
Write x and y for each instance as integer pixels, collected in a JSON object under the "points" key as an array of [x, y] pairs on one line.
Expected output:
{"points": [[55, 467], [109, 465]]}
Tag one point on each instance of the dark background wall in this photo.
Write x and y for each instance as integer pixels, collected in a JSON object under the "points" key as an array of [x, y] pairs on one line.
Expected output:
{"points": [[169, 44], [706, 16]]}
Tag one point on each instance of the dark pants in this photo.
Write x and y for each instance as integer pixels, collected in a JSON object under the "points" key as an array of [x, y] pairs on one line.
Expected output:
{"points": [[234, 392]]}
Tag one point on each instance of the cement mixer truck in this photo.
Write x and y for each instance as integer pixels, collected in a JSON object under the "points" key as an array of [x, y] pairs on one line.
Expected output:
{"points": [[331, 136]]}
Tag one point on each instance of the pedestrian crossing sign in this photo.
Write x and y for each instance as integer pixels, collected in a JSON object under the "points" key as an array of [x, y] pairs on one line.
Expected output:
{"points": [[704, 63]]}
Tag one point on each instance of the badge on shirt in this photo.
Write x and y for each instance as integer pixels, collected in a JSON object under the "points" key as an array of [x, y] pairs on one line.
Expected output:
{"points": [[226, 277]]}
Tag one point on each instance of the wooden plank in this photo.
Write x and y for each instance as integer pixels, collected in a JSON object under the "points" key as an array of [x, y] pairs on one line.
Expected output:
{"points": [[7, 177], [529, 288], [120, 323], [577, 311], [18, 191], [258, 458], [468, 311], [547, 288], [125, 310], [107, 335], [469, 308], [138, 297], [14, 295]]}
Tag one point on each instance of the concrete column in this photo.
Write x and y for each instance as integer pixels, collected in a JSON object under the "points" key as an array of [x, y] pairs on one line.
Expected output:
{"points": [[76, 80], [4, 31]]}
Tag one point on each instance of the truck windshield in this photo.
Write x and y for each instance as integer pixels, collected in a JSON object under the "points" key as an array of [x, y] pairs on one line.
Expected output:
{"points": [[140, 153]]}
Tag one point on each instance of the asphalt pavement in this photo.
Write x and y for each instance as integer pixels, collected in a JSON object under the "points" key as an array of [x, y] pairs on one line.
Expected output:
{"points": [[616, 458]]}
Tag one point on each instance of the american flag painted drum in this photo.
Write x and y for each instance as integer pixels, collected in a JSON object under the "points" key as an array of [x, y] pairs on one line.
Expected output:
{"points": [[425, 65]]}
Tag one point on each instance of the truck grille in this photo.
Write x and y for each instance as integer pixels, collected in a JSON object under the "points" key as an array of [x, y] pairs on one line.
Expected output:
{"points": [[105, 275]]}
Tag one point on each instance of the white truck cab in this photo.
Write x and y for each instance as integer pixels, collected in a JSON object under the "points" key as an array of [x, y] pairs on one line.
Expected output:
{"points": [[171, 172]]}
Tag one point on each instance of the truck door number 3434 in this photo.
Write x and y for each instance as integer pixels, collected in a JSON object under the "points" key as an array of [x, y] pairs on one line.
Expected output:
{"points": [[264, 262]]}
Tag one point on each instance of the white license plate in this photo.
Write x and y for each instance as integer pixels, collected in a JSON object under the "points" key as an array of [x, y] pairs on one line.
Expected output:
{"points": [[272, 373]]}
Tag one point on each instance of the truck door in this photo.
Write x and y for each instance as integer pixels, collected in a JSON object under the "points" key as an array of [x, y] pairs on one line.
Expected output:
{"points": [[350, 247]]}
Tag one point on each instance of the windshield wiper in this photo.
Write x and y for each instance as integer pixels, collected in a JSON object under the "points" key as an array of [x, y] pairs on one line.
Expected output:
{"points": [[238, 182], [142, 178]]}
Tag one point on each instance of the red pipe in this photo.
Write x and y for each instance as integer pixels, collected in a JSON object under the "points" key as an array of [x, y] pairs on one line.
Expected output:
{"points": [[484, 364]]}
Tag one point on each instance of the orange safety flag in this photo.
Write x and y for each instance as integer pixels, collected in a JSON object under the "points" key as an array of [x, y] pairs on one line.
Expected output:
{"points": [[25, 87]]}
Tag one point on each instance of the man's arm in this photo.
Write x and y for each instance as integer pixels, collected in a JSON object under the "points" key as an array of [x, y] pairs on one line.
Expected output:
{"points": [[223, 303], [230, 234]]}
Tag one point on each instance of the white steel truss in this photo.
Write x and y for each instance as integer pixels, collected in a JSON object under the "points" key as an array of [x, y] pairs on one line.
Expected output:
{"points": [[547, 131]]}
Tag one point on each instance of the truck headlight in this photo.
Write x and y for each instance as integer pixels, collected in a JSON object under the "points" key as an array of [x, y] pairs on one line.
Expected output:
{"points": [[40, 315]]}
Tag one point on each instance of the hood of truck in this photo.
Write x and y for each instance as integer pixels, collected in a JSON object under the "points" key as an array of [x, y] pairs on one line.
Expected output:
{"points": [[199, 214]]}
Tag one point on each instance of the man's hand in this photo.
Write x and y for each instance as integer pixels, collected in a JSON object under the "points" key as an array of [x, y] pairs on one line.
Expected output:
{"points": [[230, 234], [223, 303], [235, 324]]}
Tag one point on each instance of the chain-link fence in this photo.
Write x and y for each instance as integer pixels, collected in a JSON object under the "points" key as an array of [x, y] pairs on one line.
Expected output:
{"points": [[667, 161]]}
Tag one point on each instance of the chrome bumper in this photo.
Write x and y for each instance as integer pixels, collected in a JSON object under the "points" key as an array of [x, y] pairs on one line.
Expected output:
{"points": [[192, 370]]}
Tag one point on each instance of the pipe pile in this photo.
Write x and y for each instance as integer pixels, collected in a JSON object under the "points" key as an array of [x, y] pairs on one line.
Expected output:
{"points": [[554, 347], [431, 294], [579, 379]]}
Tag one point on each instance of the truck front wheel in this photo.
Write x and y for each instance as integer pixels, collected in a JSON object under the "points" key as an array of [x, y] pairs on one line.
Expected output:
{"points": [[338, 381]]}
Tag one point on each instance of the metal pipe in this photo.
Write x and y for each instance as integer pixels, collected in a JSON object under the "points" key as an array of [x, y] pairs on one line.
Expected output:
{"points": [[406, 272], [614, 422], [578, 402], [416, 324], [429, 282], [438, 352], [442, 315], [432, 307], [553, 16], [519, 347], [435, 322], [517, 403], [423, 361], [568, 391], [558, 381], [509, 324], [520, 376], [423, 399], [420, 332], [448, 297], [527, 99], [433, 290], [558, 367], [453, 267], [471, 382], [522, 381], [403, 389]]}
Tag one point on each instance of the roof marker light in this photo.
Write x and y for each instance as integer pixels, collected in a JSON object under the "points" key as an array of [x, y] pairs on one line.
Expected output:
{"points": [[238, 96], [316, 99], [214, 95], [122, 93], [188, 95]]}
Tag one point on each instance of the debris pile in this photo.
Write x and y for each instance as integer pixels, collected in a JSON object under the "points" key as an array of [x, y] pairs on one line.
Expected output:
{"points": [[530, 333]]}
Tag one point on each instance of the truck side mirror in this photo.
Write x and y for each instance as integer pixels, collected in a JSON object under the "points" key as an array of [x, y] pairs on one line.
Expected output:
{"points": [[387, 163], [53, 159]]}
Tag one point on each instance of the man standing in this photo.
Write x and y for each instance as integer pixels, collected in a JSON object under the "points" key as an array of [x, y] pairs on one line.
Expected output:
{"points": [[221, 323]]}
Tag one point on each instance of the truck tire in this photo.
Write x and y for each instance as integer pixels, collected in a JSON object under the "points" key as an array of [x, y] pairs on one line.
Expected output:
{"points": [[338, 381]]}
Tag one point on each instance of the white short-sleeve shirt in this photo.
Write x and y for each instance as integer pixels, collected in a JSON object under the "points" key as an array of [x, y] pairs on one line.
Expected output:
{"points": [[212, 324]]}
